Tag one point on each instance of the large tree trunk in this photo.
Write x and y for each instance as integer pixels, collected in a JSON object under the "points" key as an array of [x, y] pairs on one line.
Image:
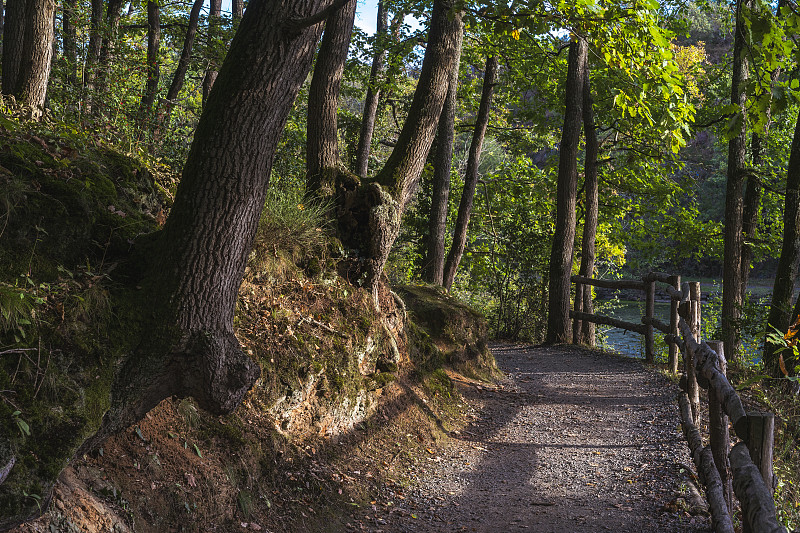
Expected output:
{"points": [[28, 51], [780, 312], [433, 271], [153, 65], [471, 174], [183, 66], [590, 186], [373, 92], [193, 270], [200, 256], [369, 215], [215, 11], [558, 323], [68, 18], [734, 197], [13, 42], [322, 139]]}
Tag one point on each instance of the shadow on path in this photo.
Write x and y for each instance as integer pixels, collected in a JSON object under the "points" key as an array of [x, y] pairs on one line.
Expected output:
{"points": [[572, 440]]}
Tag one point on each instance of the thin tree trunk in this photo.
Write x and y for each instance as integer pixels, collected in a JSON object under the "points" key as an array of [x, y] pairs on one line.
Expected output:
{"points": [[215, 11], [237, 9], [750, 209], [183, 65], [68, 14], [437, 220], [373, 92], [93, 50], [471, 174], [322, 139], [734, 197], [37, 54], [113, 15], [153, 66], [586, 335], [780, 312], [558, 323]]}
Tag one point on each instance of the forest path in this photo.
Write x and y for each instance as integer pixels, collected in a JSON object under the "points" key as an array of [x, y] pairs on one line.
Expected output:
{"points": [[571, 440]]}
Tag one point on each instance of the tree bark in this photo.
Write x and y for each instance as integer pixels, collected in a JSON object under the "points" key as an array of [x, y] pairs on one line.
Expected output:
{"points": [[215, 11], [93, 50], [373, 92], [433, 271], [13, 42], [471, 174], [29, 51], [153, 65], [586, 335], [237, 9], [734, 197], [750, 209], [780, 312], [558, 322], [369, 215], [68, 15], [111, 30], [183, 65], [200, 256], [322, 138]]}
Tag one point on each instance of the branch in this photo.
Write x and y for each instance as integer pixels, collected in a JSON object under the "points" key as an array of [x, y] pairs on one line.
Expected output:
{"points": [[294, 25]]}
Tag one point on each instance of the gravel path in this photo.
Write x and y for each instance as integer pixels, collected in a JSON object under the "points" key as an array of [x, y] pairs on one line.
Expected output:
{"points": [[571, 440]]}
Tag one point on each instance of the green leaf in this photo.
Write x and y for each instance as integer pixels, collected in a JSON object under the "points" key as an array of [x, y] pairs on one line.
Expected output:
{"points": [[197, 450]]}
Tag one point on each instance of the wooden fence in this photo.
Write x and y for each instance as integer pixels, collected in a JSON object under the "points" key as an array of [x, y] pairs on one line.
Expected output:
{"points": [[744, 470]]}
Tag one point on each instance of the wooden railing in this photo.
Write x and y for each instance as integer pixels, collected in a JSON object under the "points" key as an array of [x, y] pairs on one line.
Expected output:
{"points": [[745, 469]]}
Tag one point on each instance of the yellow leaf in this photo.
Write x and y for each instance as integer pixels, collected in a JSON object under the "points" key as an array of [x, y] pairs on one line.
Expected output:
{"points": [[782, 365], [515, 34]]}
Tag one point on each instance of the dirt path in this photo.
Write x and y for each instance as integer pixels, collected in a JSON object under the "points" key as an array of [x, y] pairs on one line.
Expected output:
{"points": [[570, 441]]}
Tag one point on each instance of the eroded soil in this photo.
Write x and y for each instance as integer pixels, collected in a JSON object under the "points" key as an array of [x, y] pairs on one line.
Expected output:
{"points": [[572, 440]]}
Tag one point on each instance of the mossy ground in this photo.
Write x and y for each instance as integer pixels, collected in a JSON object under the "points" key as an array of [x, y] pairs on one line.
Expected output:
{"points": [[343, 383]]}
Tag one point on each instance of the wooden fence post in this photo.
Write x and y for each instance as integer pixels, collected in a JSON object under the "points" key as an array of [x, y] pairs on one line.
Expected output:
{"points": [[719, 431], [760, 437], [694, 297], [673, 326], [578, 306], [650, 307], [693, 389]]}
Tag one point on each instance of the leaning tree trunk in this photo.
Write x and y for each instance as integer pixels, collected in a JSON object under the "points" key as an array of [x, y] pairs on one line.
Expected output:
{"points": [[433, 271], [780, 312], [153, 66], [180, 71], [590, 186], [471, 174], [13, 42], [214, 14], [373, 92], [37, 54], [322, 139], [369, 215], [188, 294], [734, 197], [558, 323]]}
